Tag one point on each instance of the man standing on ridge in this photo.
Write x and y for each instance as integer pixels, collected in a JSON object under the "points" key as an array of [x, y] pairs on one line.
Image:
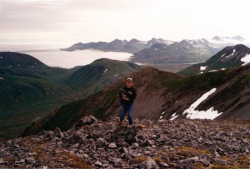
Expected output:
{"points": [[127, 96]]}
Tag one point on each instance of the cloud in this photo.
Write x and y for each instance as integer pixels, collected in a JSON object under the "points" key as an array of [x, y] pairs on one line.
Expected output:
{"points": [[104, 20]]}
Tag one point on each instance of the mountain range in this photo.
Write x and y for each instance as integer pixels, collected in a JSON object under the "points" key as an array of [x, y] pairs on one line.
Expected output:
{"points": [[117, 45], [163, 54], [185, 51], [135, 45]]}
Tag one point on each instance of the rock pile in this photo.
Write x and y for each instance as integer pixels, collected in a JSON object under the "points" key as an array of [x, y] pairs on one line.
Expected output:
{"points": [[148, 144]]}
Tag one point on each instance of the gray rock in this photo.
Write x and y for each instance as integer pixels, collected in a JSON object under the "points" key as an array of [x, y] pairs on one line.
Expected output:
{"points": [[30, 160], [190, 160], [122, 143], [112, 145], [163, 164], [205, 162], [149, 164], [2, 161], [200, 139], [167, 140], [76, 138], [125, 150], [116, 161], [47, 134], [85, 155], [58, 132], [22, 161], [220, 161], [98, 164], [87, 120]]}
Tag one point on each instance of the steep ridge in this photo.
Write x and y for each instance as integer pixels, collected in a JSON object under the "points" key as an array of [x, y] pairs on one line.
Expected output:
{"points": [[161, 95], [229, 57]]}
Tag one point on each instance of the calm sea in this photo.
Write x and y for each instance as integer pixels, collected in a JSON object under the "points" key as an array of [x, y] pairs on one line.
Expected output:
{"points": [[65, 59]]}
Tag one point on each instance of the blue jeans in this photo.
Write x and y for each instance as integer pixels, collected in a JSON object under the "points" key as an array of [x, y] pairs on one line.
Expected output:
{"points": [[129, 109]]}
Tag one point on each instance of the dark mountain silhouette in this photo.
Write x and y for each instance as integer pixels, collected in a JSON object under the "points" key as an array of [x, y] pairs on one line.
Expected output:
{"points": [[229, 57]]}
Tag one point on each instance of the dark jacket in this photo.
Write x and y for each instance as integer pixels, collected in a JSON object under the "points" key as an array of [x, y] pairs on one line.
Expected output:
{"points": [[130, 94]]}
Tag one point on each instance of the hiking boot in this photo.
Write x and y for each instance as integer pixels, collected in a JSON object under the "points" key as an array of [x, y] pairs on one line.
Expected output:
{"points": [[130, 126], [119, 123]]}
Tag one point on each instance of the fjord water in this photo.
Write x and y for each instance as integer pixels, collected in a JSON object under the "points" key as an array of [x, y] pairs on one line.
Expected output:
{"points": [[65, 59]]}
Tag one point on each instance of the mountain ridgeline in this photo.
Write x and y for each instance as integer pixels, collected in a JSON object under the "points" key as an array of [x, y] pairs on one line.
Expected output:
{"points": [[163, 53], [31, 89], [117, 45], [229, 57], [160, 95], [185, 51]]}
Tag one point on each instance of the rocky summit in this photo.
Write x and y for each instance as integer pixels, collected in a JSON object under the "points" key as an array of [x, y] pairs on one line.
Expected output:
{"points": [[147, 144]]}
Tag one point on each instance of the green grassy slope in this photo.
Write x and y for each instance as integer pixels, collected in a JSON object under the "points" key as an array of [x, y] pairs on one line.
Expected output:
{"points": [[30, 94]]}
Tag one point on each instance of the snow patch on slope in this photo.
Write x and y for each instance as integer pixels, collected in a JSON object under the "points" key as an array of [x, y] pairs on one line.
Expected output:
{"points": [[231, 54], [104, 71], [203, 67], [245, 59], [195, 114]]}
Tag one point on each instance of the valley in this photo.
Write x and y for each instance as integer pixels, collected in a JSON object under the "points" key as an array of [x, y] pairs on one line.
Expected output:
{"points": [[31, 93]]}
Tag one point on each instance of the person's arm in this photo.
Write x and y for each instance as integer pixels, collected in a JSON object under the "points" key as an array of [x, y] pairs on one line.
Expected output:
{"points": [[122, 95], [134, 94]]}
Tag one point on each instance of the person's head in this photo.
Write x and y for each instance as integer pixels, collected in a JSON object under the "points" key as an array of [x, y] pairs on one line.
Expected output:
{"points": [[129, 82]]}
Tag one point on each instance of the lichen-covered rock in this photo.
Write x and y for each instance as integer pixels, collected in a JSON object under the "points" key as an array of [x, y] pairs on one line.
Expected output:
{"points": [[147, 144]]}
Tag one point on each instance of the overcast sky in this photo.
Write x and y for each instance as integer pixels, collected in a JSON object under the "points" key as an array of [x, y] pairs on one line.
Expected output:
{"points": [[65, 22]]}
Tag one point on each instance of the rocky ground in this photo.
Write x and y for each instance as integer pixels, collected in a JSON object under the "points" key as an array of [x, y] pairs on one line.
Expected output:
{"points": [[148, 144]]}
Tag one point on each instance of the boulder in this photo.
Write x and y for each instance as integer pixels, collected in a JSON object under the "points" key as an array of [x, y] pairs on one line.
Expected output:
{"points": [[58, 132], [87, 120]]}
